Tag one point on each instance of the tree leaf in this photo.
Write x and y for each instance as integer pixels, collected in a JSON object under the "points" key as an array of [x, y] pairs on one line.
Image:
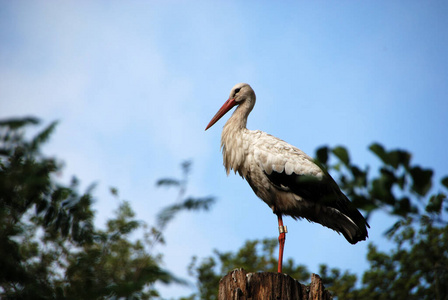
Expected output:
{"points": [[379, 151], [398, 157], [444, 181], [15, 123], [114, 191], [168, 213], [168, 182], [382, 188], [393, 229], [43, 136], [435, 203], [403, 206], [322, 155], [359, 176], [342, 154], [422, 180]]}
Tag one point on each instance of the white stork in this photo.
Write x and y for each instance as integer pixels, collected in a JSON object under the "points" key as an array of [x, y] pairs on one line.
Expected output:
{"points": [[283, 176]]}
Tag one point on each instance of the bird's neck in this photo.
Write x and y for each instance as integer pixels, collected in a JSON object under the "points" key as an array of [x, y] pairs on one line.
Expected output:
{"points": [[238, 120], [233, 140]]}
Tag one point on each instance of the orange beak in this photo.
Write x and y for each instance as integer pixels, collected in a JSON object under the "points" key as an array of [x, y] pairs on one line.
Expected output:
{"points": [[222, 111]]}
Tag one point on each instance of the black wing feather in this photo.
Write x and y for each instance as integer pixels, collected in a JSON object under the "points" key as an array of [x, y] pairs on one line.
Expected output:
{"points": [[309, 187], [323, 191]]}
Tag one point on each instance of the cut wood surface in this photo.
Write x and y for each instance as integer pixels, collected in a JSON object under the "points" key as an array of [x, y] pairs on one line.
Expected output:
{"points": [[240, 285]]}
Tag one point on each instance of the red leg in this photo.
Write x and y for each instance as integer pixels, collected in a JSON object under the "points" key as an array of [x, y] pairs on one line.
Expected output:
{"points": [[281, 240]]}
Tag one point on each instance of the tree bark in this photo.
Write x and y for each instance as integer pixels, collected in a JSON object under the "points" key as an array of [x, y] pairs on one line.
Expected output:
{"points": [[240, 285]]}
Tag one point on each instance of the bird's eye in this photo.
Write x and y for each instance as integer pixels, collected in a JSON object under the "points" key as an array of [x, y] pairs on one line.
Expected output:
{"points": [[237, 90]]}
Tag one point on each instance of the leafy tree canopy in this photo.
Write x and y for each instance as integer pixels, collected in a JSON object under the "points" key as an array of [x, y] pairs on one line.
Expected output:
{"points": [[49, 246]]}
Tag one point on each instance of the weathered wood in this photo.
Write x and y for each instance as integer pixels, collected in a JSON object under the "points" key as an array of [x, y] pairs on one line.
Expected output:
{"points": [[240, 285]]}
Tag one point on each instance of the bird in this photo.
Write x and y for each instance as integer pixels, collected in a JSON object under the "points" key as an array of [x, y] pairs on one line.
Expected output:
{"points": [[289, 181]]}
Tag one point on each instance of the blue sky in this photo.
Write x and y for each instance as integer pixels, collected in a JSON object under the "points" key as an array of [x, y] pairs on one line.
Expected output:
{"points": [[135, 83]]}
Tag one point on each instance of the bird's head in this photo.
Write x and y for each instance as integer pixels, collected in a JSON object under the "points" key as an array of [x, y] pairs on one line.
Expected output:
{"points": [[240, 93]]}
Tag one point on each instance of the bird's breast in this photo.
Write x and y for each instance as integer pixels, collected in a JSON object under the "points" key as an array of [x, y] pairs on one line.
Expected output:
{"points": [[237, 151]]}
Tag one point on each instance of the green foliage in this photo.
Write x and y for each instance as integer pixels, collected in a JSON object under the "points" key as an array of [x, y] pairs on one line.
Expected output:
{"points": [[339, 283], [183, 202], [444, 181], [417, 268], [418, 265], [30, 199], [49, 247], [114, 265], [342, 154], [398, 186]]}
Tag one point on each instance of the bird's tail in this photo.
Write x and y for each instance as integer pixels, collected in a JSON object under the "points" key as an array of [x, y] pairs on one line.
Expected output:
{"points": [[347, 220], [352, 223], [354, 230]]}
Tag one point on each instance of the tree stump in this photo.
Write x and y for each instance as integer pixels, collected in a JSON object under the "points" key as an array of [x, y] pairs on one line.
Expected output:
{"points": [[240, 285]]}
